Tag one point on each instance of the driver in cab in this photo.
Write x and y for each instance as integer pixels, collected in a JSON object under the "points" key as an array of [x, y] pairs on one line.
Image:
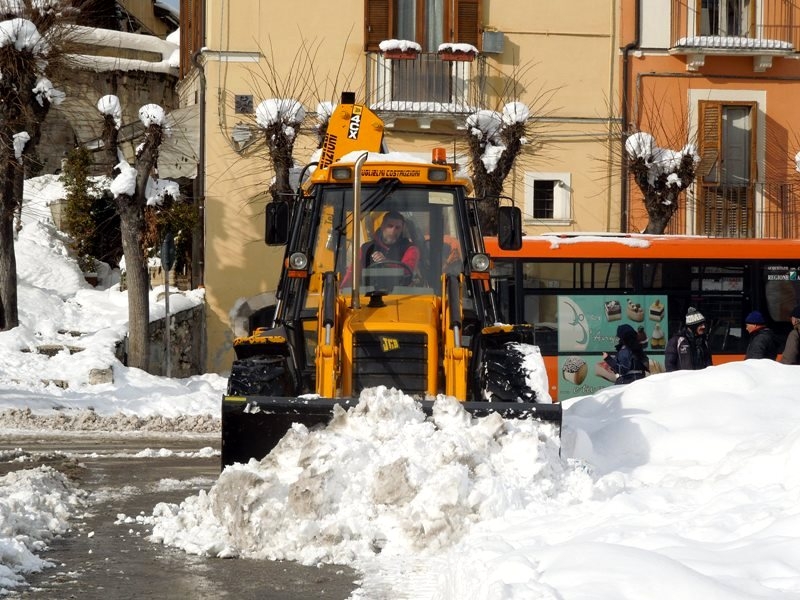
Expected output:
{"points": [[388, 246]]}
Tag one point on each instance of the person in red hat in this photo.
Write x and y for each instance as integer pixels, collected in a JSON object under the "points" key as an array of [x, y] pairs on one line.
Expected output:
{"points": [[763, 342], [791, 352]]}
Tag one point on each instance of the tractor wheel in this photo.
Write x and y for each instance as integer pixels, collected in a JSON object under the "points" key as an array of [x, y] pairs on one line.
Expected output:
{"points": [[260, 376], [504, 375]]}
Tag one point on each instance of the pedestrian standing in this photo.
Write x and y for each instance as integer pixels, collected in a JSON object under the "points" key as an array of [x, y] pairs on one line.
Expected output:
{"points": [[688, 349], [791, 352], [629, 362], [763, 341]]}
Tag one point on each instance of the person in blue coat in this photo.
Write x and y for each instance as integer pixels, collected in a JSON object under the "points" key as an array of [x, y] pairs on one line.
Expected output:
{"points": [[629, 362]]}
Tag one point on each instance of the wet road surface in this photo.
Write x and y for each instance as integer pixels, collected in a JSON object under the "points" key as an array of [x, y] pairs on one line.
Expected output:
{"points": [[101, 559]]}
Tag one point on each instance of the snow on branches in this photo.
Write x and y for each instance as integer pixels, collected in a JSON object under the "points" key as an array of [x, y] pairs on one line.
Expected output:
{"points": [[661, 174], [660, 170]]}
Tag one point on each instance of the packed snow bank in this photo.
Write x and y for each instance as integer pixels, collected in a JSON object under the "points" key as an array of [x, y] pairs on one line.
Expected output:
{"points": [[35, 506], [381, 478], [689, 476]]}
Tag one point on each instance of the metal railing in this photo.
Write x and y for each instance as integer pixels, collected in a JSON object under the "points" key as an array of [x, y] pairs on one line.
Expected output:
{"points": [[766, 25], [425, 85], [756, 210]]}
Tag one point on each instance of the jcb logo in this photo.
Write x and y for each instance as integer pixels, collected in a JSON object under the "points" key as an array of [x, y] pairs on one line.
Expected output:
{"points": [[355, 123], [389, 344]]}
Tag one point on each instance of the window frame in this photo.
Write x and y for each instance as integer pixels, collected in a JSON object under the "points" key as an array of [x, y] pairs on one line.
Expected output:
{"points": [[562, 198]]}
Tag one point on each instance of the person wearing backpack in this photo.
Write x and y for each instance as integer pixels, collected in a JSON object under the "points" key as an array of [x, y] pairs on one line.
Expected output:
{"points": [[688, 349], [629, 362], [763, 342]]}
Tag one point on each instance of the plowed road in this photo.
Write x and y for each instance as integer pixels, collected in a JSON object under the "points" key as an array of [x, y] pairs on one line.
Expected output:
{"points": [[116, 561]]}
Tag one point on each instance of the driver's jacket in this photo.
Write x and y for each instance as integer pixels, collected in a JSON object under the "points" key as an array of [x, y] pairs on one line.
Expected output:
{"points": [[403, 251]]}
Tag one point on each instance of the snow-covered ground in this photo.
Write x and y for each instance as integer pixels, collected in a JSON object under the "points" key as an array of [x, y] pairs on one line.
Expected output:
{"points": [[682, 485]]}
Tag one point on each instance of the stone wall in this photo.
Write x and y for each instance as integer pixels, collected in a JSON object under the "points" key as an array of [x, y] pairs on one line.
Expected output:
{"points": [[186, 344]]}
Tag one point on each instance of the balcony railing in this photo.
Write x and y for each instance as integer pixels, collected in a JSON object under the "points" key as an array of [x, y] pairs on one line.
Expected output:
{"points": [[758, 210], [425, 87], [749, 28]]}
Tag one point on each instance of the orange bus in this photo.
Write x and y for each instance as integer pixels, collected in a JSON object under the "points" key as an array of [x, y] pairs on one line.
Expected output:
{"points": [[577, 288]]}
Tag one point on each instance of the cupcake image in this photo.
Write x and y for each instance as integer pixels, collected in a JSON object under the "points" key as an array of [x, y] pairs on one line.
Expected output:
{"points": [[657, 339], [574, 370], [635, 311], [656, 311], [641, 336]]}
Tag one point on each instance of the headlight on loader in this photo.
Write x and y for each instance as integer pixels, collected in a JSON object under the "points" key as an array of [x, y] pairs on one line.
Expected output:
{"points": [[480, 262], [298, 261]]}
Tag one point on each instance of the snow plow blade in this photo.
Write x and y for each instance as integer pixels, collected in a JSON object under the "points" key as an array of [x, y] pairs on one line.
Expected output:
{"points": [[253, 425]]}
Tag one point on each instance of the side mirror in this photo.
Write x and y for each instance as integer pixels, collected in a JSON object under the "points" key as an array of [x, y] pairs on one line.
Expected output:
{"points": [[276, 229], [509, 227]]}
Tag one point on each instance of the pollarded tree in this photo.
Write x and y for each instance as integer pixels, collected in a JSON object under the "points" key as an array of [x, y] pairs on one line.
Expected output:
{"points": [[133, 187], [30, 44], [661, 174], [280, 121], [495, 142]]}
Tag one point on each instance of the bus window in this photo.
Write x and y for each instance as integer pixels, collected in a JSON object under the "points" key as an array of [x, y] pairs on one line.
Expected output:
{"points": [[577, 275]]}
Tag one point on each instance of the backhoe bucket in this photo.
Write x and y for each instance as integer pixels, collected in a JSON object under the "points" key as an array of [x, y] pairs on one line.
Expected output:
{"points": [[252, 426]]}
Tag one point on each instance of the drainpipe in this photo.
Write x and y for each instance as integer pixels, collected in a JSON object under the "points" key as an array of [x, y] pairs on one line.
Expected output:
{"points": [[198, 246], [624, 191]]}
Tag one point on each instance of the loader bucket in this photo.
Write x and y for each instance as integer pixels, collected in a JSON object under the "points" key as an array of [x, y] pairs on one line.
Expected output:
{"points": [[252, 426]]}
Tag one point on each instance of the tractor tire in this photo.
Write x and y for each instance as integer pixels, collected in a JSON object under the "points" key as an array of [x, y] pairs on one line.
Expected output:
{"points": [[260, 376], [504, 376]]}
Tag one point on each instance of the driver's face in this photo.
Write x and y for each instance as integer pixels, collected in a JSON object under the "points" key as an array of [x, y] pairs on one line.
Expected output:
{"points": [[391, 230]]}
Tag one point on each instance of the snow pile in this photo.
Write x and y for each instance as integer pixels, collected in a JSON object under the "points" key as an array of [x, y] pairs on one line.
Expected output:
{"points": [[35, 506], [379, 479]]}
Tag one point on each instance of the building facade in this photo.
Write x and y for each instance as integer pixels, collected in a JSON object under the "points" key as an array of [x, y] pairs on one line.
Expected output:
{"points": [[564, 64], [723, 75]]}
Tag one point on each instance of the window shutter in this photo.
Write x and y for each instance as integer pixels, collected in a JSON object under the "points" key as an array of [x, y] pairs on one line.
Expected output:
{"points": [[468, 22], [709, 142], [377, 23]]}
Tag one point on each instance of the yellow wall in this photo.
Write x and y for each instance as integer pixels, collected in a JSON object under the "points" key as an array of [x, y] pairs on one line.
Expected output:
{"points": [[566, 58]]}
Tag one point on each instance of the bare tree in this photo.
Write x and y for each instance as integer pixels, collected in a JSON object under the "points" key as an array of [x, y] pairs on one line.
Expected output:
{"points": [[496, 139], [662, 175], [287, 90], [130, 188], [31, 46]]}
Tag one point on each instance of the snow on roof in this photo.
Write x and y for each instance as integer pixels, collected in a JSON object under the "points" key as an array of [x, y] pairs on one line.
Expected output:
{"points": [[557, 240], [168, 50]]}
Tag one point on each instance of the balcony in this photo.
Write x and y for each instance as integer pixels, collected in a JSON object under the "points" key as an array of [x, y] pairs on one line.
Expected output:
{"points": [[425, 88], [757, 210], [761, 30]]}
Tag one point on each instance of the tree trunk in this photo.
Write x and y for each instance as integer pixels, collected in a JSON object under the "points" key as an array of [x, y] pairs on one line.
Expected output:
{"points": [[660, 208], [9, 317], [9, 311], [138, 282]]}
